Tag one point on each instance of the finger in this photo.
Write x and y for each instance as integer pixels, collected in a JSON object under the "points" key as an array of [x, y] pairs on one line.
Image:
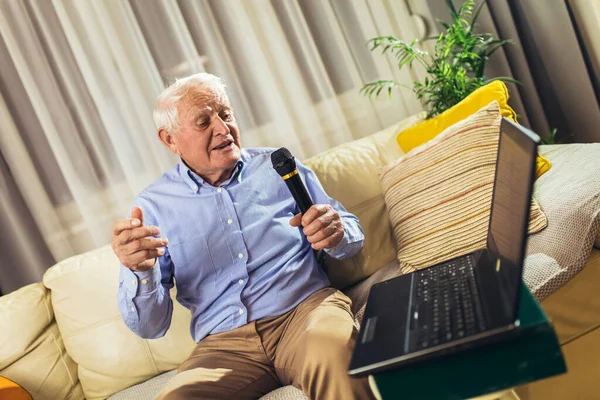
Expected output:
{"points": [[324, 233], [137, 258], [320, 222], [137, 213], [144, 244], [128, 235], [329, 242], [123, 224], [296, 220], [314, 212], [144, 266]]}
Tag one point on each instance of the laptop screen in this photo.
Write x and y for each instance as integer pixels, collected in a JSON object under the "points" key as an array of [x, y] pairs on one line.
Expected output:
{"points": [[510, 207]]}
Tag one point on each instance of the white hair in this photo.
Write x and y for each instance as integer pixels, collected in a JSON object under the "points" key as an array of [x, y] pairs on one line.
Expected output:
{"points": [[166, 110]]}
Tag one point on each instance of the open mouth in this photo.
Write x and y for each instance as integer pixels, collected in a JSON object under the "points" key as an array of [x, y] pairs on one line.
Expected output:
{"points": [[226, 145]]}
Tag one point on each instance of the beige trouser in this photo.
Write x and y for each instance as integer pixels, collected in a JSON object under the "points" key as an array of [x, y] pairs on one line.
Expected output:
{"points": [[308, 347]]}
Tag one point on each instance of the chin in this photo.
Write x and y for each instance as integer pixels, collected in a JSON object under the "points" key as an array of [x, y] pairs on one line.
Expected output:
{"points": [[233, 157]]}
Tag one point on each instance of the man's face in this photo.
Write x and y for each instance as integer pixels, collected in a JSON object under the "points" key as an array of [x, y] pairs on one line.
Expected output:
{"points": [[208, 139]]}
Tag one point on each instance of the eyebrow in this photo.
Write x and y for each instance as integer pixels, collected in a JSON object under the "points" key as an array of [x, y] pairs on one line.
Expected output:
{"points": [[198, 113]]}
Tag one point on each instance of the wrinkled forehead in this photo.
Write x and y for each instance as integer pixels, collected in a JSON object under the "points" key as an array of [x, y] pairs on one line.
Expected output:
{"points": [[203, 100]]}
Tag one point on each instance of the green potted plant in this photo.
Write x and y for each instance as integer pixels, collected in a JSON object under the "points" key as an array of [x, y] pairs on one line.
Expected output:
{"points": [[456, 67]]}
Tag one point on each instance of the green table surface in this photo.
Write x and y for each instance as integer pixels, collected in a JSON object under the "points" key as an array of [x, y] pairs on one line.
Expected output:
{"points": [[531, 355]]}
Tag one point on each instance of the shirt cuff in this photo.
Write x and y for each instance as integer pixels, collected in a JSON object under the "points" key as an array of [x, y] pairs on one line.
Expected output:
{"points": [[341, 250], [141, 282], [148, 281]]}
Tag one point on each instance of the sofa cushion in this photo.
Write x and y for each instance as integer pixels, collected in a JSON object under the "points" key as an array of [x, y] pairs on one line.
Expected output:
{"points": [[569, 194], [439, 195], [32, 352], [349, 174], [110, 357], [427, 130]]}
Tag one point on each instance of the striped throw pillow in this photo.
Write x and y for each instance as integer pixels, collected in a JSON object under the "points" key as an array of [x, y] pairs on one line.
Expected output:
{"points": [[438, 195]]}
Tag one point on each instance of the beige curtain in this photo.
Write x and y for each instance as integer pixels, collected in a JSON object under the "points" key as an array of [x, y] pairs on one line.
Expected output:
{"points": [[78, 79]]}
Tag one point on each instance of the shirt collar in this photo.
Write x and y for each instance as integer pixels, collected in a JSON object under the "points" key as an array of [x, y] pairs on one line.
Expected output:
{"points": [[195, 181]]}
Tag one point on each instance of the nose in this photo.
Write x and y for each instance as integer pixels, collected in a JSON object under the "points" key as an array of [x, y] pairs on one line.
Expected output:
{"points": [[220, 127]]}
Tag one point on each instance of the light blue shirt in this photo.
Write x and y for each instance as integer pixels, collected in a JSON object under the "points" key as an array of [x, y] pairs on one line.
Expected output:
{"points": [[232, 252]]}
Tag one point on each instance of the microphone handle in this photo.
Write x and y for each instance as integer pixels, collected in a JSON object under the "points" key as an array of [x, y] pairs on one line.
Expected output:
{"points": [[299, 192]]}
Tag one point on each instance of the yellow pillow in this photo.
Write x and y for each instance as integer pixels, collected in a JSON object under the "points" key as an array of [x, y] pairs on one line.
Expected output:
{"points": [[11, 391], [415, 136]]}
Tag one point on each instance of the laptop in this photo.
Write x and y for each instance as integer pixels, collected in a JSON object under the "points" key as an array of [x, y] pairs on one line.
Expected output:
{"points": [[465, 302]]}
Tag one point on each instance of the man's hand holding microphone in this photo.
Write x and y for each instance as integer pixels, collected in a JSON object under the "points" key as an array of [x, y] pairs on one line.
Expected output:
{"points": [[322, 226], [321, 222], [135, 244]]}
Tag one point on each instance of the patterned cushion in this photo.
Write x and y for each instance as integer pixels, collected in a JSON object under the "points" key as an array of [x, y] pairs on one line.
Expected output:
{"points": [[569, 194], [145, 390], [438, 195], [150, 388], [285, 393]]}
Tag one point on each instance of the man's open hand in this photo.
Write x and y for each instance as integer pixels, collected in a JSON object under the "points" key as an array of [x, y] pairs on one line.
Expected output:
{"points": [[322, 226], [133, 243]]}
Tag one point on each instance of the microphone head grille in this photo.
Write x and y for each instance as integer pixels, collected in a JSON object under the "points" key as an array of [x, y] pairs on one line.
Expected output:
{"points": [[283, 161]]}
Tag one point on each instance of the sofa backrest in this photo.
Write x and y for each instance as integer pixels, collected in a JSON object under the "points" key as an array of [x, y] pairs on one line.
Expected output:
{"points": [[32, 352], [109, 356], [349, 173]]}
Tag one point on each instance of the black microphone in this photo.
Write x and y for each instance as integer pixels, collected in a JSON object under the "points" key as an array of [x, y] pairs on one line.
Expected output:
{"points": [[285, 165]]}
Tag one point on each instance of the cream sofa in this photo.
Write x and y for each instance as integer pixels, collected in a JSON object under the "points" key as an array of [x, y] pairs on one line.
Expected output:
{"points": [[64, 338]]}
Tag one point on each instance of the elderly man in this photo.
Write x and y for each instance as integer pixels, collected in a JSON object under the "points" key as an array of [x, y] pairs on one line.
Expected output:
{"points": [[222, 225]]}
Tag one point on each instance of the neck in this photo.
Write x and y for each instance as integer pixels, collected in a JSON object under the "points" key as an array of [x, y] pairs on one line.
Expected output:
{"points": [[213, 179], [218, 179]]}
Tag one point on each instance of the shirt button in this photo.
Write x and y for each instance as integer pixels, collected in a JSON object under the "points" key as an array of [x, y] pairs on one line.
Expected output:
{"points": [[219, 190], [230, 221], [132, 308], [240, 255], [144, 281], [241, 281], [133, 282], [241, 311], [194, 188]]}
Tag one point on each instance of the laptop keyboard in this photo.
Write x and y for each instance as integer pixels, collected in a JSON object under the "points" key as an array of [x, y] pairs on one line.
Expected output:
{"points": [[445, 304]]}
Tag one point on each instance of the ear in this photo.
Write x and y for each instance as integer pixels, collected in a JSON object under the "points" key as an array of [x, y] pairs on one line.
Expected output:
{"points": [[169, 140]]}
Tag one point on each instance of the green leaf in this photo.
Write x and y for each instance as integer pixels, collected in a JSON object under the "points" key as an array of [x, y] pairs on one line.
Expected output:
{"points": [[444, 24], [497, 45], [477, 11], [450, 5]]}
